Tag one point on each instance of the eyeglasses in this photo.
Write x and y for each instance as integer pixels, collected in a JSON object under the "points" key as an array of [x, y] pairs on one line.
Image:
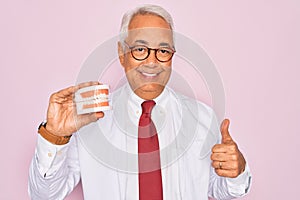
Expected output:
{"points": [[142, 52]]}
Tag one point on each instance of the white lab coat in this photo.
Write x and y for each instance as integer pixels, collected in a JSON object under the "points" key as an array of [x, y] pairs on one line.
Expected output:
{"points": [[108, 169]]}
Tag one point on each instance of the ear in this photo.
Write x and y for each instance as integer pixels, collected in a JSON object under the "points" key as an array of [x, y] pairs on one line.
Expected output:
{"points": [[121, 53]]}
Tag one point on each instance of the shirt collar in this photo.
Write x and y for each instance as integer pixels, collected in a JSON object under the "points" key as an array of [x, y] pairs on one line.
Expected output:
{"points": [[161, 100]]}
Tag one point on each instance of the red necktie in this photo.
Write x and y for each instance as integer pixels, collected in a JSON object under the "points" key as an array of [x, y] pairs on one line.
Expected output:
{"points": [[150, 183]]}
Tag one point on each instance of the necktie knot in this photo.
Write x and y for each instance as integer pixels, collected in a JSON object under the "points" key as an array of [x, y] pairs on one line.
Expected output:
{"points": [[147, 106]]}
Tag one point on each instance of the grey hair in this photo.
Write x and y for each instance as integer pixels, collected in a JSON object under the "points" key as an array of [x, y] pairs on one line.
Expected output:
{"points": [[143, 10]]}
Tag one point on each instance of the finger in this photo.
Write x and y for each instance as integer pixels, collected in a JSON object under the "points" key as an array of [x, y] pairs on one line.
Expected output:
{"points": [[86, 84], [99, 115], [71, 90], [92, 117], [225, 148], [221, 157], [225, 132], [229, 165], [67, 93], [227, 173], [85, 119], [63, 95], [219, 148]]}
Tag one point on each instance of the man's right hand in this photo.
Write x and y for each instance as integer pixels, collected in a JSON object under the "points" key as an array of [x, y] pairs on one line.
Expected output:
{"points": [[62, 118]]}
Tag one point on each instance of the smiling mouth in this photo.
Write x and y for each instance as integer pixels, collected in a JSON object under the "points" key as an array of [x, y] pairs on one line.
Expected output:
{"points": [[149, 74]]}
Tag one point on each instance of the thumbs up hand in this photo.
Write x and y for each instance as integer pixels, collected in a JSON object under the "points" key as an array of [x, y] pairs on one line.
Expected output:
{"points": [[226, 158]]}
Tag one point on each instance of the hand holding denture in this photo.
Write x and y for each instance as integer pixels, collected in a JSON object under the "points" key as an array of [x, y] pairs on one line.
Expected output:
{"points": [[62, 117], [226, 158]]}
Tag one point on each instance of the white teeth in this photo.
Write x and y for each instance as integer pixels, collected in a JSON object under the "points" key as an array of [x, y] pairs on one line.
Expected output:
{"points": [[147, 74]]}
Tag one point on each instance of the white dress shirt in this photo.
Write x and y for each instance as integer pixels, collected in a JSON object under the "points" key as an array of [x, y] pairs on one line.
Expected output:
{"points": [[104, 154]]}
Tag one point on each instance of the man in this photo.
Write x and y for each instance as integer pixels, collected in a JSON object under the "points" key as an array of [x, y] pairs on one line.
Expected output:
{"points": [[201, 168]]}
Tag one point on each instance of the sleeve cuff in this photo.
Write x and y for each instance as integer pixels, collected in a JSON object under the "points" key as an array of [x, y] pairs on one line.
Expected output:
{"points": [[49, 156], [240, 185]]}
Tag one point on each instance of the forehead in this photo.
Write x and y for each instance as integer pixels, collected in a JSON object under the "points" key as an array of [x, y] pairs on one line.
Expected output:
{"points": [[150, 28]]}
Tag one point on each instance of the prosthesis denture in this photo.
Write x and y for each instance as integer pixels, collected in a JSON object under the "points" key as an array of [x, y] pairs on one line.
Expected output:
{"points": [[92, 99]]}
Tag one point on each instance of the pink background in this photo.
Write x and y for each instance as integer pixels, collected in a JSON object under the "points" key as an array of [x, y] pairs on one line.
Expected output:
{"points": [[254, 44]]}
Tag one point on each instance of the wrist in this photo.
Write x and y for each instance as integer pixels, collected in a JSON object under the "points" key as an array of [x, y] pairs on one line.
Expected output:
{"points": [[52, 138]]}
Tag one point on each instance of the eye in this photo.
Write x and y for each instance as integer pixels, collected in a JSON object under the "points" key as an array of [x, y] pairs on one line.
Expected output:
{"points": [[165, 51], [139, 49]]}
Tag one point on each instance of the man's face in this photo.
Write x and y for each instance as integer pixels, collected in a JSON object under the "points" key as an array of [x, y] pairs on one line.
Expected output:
{"points": [[148, 77]]}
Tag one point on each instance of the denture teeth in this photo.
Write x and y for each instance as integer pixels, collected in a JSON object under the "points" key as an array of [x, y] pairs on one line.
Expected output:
{"points": [[92, 99]]}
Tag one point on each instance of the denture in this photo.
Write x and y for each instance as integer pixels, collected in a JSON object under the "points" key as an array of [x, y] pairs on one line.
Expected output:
{"points": [[92, 99]]}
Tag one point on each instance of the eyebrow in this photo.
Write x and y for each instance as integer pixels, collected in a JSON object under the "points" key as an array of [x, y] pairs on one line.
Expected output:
{"points": [[141, 41], [162, 44]]}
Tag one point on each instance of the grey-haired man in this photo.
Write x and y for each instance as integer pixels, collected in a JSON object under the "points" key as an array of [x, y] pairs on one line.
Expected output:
{"points": [[210, 166]]}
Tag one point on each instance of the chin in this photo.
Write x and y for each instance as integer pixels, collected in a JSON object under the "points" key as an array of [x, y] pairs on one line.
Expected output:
{"points": [[150, 91]]}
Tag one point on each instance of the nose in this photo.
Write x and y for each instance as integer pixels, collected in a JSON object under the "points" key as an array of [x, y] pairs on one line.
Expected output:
{"points": [[152, 57]]}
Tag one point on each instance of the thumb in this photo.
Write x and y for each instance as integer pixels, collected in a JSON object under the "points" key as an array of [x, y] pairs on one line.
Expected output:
{"points": [[224, 131]]}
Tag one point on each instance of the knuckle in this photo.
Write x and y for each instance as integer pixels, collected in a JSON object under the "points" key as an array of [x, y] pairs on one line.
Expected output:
{"points": [[52, 96], [235, 173], [214, 156], [214, 148], [234, 157], [235, 165], [233, 147], [214, 165], [218, 172]]}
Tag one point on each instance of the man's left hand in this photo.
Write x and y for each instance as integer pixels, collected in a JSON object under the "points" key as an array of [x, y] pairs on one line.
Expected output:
{"points": [[226, 158]]}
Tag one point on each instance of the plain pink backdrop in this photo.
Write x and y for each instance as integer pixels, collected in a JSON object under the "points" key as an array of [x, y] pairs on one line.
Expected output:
{"points": [[254, 44]]}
